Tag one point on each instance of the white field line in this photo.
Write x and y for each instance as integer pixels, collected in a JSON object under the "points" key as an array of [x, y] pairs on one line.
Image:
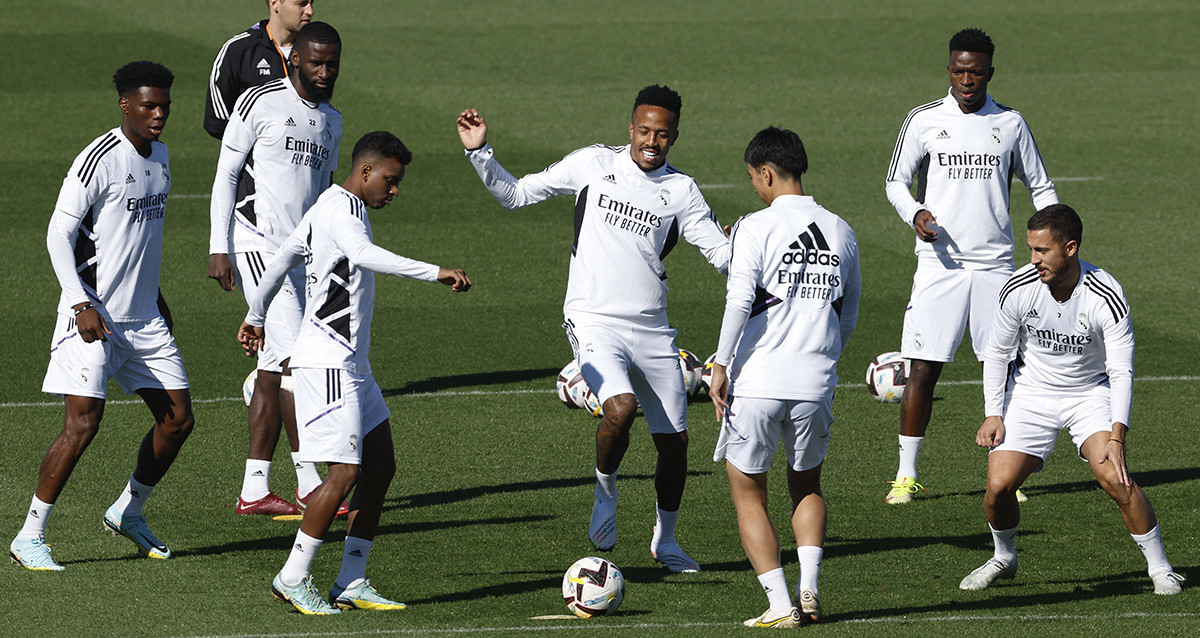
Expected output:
{"points": [[582, 625], [471, 393]]}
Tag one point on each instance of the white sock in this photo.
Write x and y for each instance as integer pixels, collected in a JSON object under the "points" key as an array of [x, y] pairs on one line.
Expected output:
{"points": [[255, 482], [35, 520], [133, 498], [307, 478], [810, 567], [664, 527], [910, 449], [775, 586], [1152, 548], [354, 561], [1006, 544], [606, 486], [299, 562]]}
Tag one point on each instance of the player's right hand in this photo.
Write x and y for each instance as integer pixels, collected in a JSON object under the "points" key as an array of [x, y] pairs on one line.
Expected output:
{"points": [[718, 390], [991, 433], [92, 326], [220, 268], [455, 278], [250, 337], [472, 130], [923, 223]]}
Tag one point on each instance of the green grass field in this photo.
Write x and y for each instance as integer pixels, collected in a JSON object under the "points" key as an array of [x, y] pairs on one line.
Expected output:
{"points": [[491, 500]]}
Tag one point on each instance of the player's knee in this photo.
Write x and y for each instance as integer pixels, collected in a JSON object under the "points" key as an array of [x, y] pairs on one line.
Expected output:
{"points": [[1001, 487], [621, 410]]}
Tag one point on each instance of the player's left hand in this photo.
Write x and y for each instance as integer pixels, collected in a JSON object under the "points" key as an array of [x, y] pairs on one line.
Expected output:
{"points": [[250, 337], [718, 390], [455, 278]]}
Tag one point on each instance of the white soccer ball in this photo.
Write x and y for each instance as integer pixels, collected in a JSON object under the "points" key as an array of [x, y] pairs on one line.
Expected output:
{"points": [[570, 374], [706, 372], [591, 403], [886, 377], [691, 367], [593, 587], [248, 386]]}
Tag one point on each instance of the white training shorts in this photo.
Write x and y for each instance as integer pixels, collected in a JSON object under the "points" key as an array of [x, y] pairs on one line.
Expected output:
{"points": [[335, 410], [623, 357], [138, 354], [284, 314], [1033, 418], [753, 428], [942, 301]]}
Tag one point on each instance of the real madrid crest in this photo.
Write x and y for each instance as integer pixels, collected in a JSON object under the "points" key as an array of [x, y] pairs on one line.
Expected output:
{"points": [[664, 197], [996, 134], [1082, 323]]}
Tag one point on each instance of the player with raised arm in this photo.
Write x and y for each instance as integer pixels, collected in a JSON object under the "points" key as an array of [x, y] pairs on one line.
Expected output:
{"points": [[253, 57], [1060, 357], [631, 207], [342, 410], [278, 154], [790, 308], [962, 151], [105, 244]]}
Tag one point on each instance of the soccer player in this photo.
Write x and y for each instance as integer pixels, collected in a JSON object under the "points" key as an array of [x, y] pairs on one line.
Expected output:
{"points": [[105, 244], [281, 145], [1064, 339], [963, 150], [253, 57], [344, 415], [631, 207], [791, 306]]}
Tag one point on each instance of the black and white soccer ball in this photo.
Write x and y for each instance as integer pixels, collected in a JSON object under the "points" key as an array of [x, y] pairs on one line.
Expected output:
{"points": [[248, 387], [706, 372], [886, 377], [567, 379], [691, 366], [593, 587]]}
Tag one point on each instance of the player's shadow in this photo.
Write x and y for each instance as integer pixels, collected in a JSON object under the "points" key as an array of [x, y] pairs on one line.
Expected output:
{"points": [[435, 384], [1005, 597], [1144, 479], [447, 497], [527, 581]]}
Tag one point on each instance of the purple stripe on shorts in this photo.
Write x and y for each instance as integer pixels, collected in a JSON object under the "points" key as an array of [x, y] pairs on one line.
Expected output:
{"points": [[322, 415]]}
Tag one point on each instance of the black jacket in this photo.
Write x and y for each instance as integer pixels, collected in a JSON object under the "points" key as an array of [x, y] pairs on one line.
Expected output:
{"points": [[247, 60]]}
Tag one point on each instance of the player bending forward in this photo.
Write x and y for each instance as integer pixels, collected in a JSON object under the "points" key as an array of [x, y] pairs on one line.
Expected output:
{"points": [[791, 306], [341, 412], [1066, 325], [631, 207], [105, 243]]}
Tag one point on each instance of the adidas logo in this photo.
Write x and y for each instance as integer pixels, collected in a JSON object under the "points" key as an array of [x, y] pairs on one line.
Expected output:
{"points": [[34, 514], [134, 493], [290, 122], [356, 553], [611, 179], [299, 548], [811, 248], [943, 135], [1032, 314], [263, 67], [258, 473], [129, 179]]}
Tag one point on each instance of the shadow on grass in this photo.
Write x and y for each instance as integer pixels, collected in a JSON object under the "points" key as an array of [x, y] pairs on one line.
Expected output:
{"points": [[1006, 598], [434, 384], [468, 493], [1148, 478]]}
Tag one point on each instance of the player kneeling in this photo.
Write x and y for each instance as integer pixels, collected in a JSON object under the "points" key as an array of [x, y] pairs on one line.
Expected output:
{"points": [[341, 411], [1066, 323]]}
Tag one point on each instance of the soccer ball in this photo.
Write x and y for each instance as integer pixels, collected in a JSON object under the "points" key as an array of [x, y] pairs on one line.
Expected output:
{"points": [[593, 587], [569, 376], [591, 402], [690, 365], [706, 372], [248, 386], [887, 376]]}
